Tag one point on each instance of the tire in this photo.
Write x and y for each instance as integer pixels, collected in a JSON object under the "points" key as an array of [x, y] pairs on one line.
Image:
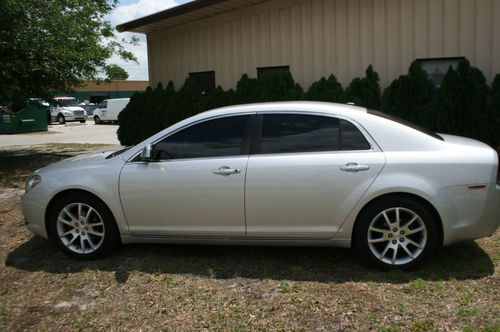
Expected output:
{"points": [[61, 119], [83, 121], [87, 229], [378, 237], [97, 120]]}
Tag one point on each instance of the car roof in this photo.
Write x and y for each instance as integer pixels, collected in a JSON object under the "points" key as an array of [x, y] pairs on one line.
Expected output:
{"points": [[302, 106]]}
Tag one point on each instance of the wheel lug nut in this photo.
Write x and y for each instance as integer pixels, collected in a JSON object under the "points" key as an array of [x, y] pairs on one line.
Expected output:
{"points": [[394, 241], [402, 239], [395, 230], [402, 232], [390, 235]]}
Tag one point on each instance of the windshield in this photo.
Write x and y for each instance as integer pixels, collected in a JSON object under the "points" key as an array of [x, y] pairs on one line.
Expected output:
{"points": [[67, 102], [405, 123]]}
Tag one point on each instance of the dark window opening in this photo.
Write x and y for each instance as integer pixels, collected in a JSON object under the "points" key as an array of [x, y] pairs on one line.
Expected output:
{"points": [[96, 98], [212, 138], [205, 81], [436, 68], [267, 73]]}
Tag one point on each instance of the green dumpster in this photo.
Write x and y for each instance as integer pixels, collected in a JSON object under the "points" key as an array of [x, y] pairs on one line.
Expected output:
{"points": [[31, 118]]}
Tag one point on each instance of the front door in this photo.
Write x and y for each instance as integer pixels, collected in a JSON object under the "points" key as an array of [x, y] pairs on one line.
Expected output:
{"points": [[196, 188]]}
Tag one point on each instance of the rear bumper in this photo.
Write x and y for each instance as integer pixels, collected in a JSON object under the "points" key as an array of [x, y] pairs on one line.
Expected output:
{"points": [[468, 214]]}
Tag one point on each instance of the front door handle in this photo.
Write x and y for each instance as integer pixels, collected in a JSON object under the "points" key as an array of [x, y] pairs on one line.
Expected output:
{"points": [[226, 171], [354, 167]]}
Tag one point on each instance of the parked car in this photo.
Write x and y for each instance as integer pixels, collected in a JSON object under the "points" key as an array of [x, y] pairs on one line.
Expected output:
{"points": [[289, 173], [109, 109], [89, 108], [67, 109]]}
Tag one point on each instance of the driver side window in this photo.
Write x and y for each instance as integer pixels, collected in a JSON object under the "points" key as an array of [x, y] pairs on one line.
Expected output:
{"points": [[104, 104], [212, 138]]}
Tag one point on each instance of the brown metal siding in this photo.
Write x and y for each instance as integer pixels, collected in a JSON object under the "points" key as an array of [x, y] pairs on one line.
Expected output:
{"points": [[319, 37]]}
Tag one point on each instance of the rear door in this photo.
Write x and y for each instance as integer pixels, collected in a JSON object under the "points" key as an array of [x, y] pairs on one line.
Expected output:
{"points": [[306, 174]]}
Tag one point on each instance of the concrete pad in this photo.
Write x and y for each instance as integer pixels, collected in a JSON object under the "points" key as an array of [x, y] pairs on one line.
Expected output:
{"points": [[71, 132]]}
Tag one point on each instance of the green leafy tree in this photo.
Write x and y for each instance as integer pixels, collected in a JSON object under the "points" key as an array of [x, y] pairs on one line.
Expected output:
{"points": [[53, 45], [115, 72], [410, 97], [364, 91], [325, 90]]}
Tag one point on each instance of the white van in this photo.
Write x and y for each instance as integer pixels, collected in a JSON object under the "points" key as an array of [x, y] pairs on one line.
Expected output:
{"points": [[109, 109]]}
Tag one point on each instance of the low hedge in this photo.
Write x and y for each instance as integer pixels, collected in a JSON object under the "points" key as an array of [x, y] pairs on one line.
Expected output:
{"points": [[463, 104]]}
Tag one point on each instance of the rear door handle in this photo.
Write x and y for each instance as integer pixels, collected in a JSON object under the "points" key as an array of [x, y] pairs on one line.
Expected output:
{"points": [[354, 167], [226, 171]]}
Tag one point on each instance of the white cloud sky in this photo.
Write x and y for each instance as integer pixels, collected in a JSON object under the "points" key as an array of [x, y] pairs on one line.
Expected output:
{"points": [[128, 10]]}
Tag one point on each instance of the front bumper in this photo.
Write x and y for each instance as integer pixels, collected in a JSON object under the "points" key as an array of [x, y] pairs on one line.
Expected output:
{"points": [[34, 213]]}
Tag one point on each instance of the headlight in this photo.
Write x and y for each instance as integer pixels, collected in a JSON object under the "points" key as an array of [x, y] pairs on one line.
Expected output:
{"points": [[67, 113], [33, 181]]}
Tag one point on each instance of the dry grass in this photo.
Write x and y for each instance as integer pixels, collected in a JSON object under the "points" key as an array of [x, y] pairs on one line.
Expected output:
{"points": [[167, 287]]}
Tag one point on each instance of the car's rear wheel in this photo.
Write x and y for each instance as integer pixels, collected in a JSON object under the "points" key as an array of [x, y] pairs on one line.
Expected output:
{"points": [[396, 232], [83, 121], [82, 226], [97, 120], [61, 119]]}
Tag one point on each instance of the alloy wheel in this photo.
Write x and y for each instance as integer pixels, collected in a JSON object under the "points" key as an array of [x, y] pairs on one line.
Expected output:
{"points": [[80, 228], [397, 236]]}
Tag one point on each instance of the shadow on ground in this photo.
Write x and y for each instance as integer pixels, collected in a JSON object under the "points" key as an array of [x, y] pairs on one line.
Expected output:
{"points": [[462, 261]]}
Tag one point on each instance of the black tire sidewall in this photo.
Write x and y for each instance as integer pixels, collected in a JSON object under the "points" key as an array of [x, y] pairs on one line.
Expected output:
{"points": [[97, 120], [111, 231], [371, 211], [59, 119]]}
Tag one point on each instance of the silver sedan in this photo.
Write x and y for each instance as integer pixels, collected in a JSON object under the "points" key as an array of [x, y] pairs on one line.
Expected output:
{"points": [[294, 173]]}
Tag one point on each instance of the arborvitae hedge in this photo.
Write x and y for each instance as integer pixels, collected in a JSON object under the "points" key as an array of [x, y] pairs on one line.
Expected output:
{"points": [[326, 90], [463, 104], [410, 97], [364, 91]]}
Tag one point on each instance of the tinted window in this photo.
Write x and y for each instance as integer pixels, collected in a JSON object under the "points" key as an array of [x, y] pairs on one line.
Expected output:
{"points": [[219, 137], [286, 133], [351, 138]]}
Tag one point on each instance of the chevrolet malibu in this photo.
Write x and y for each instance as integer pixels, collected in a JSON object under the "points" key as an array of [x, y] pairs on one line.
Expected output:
{"points": [[294, 173]]}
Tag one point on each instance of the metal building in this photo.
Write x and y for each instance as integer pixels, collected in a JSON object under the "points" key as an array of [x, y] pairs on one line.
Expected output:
{"points": [[216, 41]]}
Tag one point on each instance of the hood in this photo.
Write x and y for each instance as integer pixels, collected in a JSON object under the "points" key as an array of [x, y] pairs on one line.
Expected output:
{"points": [[71, 108], [84, 160]]}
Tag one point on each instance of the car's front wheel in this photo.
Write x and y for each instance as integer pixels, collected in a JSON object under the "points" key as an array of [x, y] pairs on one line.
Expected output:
{"points": [[61, 119], [396, 232], [82, 226], [97, 120]]}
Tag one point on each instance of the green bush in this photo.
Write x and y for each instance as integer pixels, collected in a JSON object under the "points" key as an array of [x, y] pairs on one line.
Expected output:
{"points": [[494, 112], [364, 91], [329, 90], [410, 97], [461, 103]]}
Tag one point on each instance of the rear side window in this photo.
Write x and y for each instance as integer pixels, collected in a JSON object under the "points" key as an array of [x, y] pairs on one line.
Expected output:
{"points": [[212, 138], [351, 138], [291, 133]]}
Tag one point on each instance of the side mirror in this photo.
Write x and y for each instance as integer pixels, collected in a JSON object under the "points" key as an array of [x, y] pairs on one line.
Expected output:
{"points": [[147, 152]]}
